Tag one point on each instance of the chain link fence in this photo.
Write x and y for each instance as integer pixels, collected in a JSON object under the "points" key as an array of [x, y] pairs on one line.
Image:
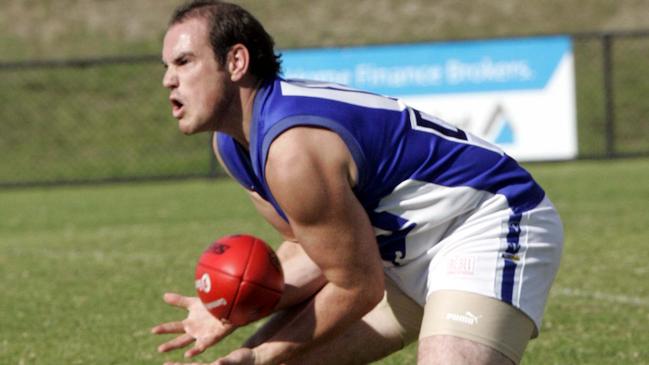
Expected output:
{"points": [[92, 120], [109, 119], [612, 76]]}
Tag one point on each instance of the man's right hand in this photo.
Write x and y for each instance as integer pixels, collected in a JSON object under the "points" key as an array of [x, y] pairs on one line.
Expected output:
{"points": [[199, 326]]}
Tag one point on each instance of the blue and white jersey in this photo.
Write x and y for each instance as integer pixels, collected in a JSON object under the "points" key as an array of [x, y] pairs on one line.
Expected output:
{"points": [[416, 173]]}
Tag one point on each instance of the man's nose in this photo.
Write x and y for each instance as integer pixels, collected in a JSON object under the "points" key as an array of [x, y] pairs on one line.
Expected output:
{"points": [[170, 79]]}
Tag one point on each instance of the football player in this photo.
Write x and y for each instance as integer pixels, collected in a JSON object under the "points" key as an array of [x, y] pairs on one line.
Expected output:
{"points": [[398, 226]]}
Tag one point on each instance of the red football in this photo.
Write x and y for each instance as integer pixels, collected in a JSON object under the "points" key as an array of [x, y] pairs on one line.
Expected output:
{"points": [[239, 278]]}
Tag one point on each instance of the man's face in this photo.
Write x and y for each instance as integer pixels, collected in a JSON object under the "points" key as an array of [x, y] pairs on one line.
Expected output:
{"points": [[200, 88]]}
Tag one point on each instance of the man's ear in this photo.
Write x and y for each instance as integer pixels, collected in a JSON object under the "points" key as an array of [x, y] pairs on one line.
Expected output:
{"points": [[238, 61]]}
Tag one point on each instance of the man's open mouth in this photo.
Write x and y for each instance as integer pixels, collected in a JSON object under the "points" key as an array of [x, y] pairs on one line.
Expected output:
{"points": [[177, 107]]}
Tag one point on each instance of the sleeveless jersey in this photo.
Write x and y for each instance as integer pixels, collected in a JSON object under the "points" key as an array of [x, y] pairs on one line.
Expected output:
{"points": [[416, 173]]}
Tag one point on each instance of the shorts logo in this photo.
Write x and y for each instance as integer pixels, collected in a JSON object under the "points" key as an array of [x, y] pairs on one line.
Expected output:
{"points": [[509, 256], [467, 318], [461, 265]]}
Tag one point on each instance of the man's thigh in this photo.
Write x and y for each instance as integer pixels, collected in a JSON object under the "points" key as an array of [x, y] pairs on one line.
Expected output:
{"points": [[387, 328], [451, 350], [488, 281], [468, 328], [510, 257]]}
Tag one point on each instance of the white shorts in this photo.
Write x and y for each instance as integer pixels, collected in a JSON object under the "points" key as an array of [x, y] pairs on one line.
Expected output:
{"points": [[494, 252]]}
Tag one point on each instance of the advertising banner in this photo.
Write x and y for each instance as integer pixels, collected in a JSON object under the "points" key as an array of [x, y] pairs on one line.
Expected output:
{"points": [[517, 93]]}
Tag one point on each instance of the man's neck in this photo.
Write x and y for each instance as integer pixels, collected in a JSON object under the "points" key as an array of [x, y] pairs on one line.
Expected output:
{"points": [[247, 109], [239, 126]]}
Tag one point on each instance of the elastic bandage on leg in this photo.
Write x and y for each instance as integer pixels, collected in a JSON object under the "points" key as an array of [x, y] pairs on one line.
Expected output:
{"points": [[478, 318]]}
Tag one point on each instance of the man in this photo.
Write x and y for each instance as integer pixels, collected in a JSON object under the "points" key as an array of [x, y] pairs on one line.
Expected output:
{"points": [[397, 225]]}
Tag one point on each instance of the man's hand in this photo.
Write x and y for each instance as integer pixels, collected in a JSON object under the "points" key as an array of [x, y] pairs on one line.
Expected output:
{"points": [[199, 327], [242, 356]]}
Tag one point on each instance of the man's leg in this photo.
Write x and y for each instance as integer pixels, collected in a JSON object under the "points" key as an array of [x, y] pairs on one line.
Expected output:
{"points": [[392, 324], [449, 350], [373, 338], [488, 283], [468, 328]]}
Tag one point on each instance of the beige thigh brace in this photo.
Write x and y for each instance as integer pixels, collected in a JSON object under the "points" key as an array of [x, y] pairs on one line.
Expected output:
{"points": [[478, 318], [471, 316]]}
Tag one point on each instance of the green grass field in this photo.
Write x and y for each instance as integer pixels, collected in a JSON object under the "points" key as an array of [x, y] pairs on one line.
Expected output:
{"points": [[83, 269]]}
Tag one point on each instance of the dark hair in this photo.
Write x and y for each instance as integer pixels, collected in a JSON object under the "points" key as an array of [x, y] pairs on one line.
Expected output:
{"points": [[228, 25]]}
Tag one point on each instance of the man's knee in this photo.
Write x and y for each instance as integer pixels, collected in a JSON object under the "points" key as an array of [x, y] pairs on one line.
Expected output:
{"points": [[288, 250]]}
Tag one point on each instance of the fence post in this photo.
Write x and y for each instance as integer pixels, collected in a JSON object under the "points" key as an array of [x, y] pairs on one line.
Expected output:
{"points": [[607, 48]]}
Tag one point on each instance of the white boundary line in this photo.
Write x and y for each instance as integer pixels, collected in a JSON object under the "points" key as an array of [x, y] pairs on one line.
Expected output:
{"points": [[607, 297]]}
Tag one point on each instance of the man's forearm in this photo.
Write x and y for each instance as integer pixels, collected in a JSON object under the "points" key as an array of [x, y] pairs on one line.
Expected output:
{"points": [[315, 322], [302, 277], [274, 325]]}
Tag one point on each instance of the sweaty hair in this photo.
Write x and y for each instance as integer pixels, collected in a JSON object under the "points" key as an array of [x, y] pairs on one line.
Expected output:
{"points": [[230, 24]]}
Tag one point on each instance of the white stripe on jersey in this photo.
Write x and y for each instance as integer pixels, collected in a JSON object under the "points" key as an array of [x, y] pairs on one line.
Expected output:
{"points": [[431, 207], [340, 93]]}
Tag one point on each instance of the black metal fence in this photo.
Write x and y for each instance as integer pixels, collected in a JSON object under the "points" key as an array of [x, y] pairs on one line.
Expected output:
{"points": [[92, 120], [108, 119], [612, 81]]}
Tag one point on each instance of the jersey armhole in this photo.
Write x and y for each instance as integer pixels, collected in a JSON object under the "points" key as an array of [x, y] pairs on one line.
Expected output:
{"points": [[229, 156], [315, 121], [217, 154]]}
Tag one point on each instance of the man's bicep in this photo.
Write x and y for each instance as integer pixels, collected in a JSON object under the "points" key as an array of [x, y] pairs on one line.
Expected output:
{"points": [[308, 173]]}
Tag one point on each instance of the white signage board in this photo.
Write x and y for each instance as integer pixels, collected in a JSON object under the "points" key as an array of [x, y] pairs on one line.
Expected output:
{"points": [[518, 93]]}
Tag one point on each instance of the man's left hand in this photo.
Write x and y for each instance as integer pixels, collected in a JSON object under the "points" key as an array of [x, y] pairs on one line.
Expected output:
{"points": [[242, 356]]}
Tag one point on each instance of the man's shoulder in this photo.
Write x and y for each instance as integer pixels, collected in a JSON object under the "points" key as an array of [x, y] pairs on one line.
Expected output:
{"points": [[317, 97]]}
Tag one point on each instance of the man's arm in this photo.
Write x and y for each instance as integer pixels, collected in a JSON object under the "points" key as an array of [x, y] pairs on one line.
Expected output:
{"points": [[302, 277], [310, 173]]}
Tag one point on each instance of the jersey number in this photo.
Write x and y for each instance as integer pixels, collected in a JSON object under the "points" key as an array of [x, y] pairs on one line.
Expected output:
{"points": [[430, 124]]}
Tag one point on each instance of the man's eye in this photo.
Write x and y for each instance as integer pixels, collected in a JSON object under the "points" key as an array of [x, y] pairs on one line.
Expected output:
{"points": [[182, 61]]}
